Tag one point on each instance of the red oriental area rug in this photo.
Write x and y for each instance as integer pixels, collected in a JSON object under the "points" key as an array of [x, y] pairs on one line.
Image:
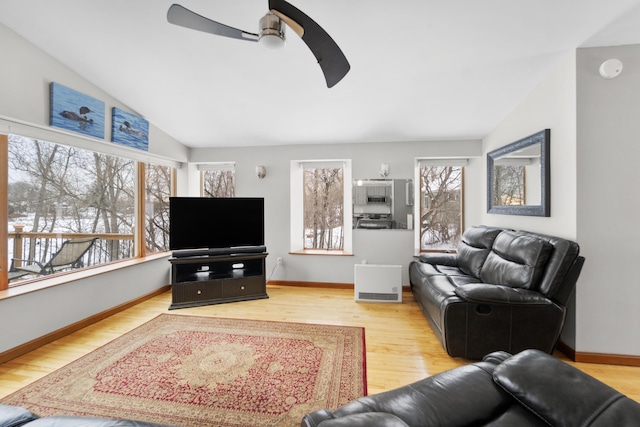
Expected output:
{"points": [[206, 371]]}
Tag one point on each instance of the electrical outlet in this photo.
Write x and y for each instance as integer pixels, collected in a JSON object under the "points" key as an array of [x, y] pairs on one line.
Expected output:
{"points": [[279, 260]]}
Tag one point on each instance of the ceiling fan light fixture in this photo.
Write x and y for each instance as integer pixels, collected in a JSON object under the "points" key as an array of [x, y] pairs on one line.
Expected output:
{"points": [[271, 31], [281, 14]]}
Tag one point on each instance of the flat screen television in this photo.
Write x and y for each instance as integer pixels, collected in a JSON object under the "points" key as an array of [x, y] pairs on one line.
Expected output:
{"points": [[201, 223]]}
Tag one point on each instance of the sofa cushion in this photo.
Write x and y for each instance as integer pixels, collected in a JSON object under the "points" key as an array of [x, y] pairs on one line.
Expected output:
{"points": [[474, 246], [461, 281], [516, 260], [560, 262], [451, 271], [436, 258]]}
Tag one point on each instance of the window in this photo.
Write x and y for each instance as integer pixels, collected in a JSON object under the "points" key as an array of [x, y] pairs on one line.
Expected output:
{"points": [[158, 189], [321, 209], [217, 180], [60, 196], [441, 204]]}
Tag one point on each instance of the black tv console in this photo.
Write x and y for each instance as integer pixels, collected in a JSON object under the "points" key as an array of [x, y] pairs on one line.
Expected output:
{"points": [[216, 279]]}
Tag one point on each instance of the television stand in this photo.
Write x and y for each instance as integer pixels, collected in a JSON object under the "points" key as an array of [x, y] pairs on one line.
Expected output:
{"points": [[217, 279]]}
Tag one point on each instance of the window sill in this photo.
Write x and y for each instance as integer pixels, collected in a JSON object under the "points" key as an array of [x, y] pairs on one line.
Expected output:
{"points": [[323, 252], [60, 279]]}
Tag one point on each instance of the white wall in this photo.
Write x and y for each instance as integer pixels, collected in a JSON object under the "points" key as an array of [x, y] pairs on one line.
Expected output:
{"points": [[375, 246], [595, 134], [25, 77], [551, 105], [29, 316], [24, 87], [608, 115]]}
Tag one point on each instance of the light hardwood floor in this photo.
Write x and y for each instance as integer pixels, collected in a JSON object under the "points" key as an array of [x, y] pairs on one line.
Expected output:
{"points": [[400, 345]]}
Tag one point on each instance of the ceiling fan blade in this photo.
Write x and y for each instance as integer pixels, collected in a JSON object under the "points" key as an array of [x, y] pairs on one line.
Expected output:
{"points": [[331, 59], [183, 17]]}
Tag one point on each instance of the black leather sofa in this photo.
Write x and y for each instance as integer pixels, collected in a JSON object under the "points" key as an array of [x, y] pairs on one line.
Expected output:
{"points": [[14, 416], [503, 290], [529, 389]]}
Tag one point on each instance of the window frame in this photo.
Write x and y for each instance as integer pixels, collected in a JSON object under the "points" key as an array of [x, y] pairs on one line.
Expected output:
{"points": [[4, 211], [61, 137], [419, 162], [143, 198], [296, 221]]}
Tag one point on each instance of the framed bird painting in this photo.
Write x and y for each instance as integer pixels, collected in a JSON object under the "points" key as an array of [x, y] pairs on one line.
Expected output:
{"points": [[129, 129], [77, 112]]}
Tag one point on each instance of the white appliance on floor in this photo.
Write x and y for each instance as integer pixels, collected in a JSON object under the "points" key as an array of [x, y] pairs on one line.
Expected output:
{"points": [[378, 283]]}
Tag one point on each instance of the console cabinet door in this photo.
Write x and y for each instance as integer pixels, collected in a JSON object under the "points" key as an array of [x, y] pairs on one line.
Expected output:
{"points": [[240, 287], [197, 291]]}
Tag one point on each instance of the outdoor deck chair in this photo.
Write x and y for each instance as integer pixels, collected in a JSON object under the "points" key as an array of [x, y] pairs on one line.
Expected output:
{"points": [[68, 256]]}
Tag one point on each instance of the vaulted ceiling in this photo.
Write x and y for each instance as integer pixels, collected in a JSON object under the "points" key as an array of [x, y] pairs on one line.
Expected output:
{"points": [[420, 69]]}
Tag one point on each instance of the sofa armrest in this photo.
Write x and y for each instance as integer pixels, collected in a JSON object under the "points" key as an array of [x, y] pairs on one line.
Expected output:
{"points": [[441, 399], [558, 392], [448, 259], [484, 293], [15, 416], [89, 421], [366, 419], [314, 419]]}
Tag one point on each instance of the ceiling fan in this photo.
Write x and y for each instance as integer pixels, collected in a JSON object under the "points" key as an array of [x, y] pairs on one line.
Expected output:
{"points": [[331, 59]]}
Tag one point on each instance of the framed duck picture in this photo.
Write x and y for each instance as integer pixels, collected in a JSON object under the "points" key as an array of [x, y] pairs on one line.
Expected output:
{"points": [[76, 112], [129, 129]]}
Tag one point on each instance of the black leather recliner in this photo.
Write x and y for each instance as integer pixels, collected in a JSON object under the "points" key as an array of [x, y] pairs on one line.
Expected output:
{"points": [[503, 290], [15, 416], [529, 389]]}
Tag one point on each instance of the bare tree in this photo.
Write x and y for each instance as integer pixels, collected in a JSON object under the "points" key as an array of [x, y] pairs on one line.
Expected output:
{"points": [[218, 183], [93, 192], [508, 185], [113, 198], [324, 208], [21, 194], [45, 168], [158, 191], [442, 205]]}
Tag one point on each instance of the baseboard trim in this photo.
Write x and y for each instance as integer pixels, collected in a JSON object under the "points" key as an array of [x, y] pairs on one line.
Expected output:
{"points": [[329, 285], [599, 358], [67, 330], [566, 350], [608, 359]]}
